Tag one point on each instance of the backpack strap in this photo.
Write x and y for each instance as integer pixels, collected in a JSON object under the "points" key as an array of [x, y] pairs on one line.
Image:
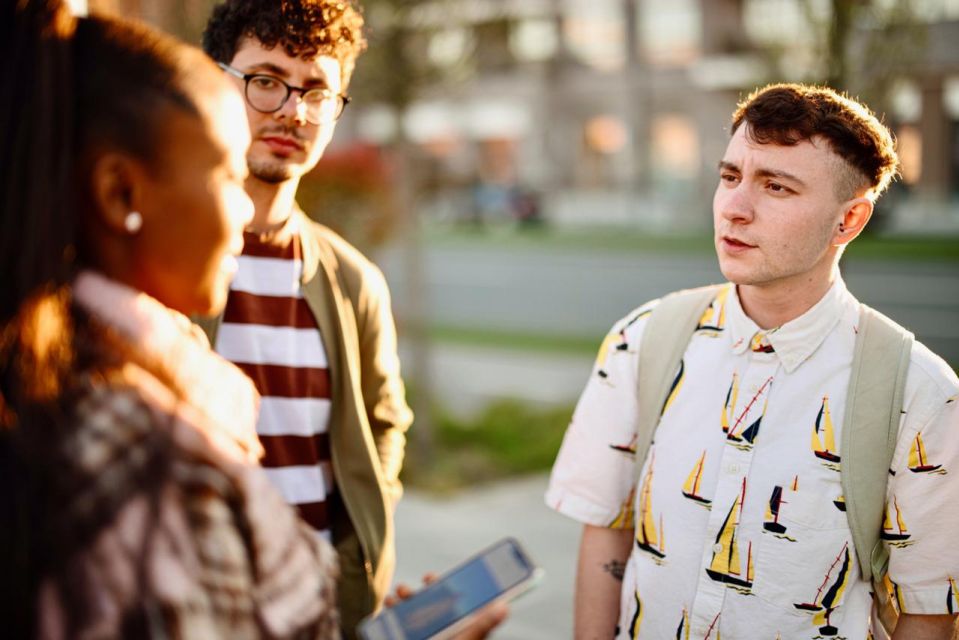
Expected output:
{"points": [[667, 333], [870, 430]]}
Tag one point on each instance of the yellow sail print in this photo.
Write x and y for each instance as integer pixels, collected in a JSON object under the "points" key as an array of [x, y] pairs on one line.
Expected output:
{"points": [[693, 481], [828, 599], [897, 533], [604, 350], [730, 405], [682, 631], [918, 462], [713, 319], [648, 537], [626, 518], [823, 434], [637, 618], [726, 565]]}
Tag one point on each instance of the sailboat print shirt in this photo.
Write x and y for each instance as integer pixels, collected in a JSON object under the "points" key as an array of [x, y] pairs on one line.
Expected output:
{"points": [[740, 522]]}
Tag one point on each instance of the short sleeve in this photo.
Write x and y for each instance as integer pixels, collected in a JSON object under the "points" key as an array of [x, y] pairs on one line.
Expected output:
{"points": [[922, 508], [594, 475]]}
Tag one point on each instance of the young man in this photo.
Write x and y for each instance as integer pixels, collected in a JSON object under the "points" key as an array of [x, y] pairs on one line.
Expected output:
{"points": [[308, 317], [743, 477]]}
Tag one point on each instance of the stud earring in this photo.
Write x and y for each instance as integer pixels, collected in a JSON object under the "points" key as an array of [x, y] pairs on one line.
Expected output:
{"points": [[133, 222], [841, 227]]}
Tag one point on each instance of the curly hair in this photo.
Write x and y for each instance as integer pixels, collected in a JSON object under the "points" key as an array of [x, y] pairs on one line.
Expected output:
{"points": [[787, 114], [304, 28]]}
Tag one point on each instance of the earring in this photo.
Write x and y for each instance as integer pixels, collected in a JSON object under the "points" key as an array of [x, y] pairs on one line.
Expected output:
{"points": [[841, 227], [133, 222]]}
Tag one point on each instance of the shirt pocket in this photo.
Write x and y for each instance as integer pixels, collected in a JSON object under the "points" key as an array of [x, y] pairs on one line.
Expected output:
{"points": [[805, 563]]}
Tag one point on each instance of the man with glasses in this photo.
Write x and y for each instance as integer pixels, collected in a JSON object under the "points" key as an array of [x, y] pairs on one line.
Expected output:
{"points": [[308, 318]]}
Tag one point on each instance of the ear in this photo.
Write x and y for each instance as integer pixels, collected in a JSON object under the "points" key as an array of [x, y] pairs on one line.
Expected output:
{"points": [[116, 186], [856, 214]]}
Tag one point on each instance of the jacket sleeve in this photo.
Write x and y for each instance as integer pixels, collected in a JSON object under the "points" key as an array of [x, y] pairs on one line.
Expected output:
{"points": [[384, 395]]}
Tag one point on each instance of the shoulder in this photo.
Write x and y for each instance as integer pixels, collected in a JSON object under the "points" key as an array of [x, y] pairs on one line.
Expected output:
{"points": [[930, 384], [358, 270]]}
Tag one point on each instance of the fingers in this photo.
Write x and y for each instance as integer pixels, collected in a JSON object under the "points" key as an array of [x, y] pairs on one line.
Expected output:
{"points": [[402, 592], [485, 621]]}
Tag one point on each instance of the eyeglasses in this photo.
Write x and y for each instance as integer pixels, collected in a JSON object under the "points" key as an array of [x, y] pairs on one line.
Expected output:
{"points": [[268, 94]]}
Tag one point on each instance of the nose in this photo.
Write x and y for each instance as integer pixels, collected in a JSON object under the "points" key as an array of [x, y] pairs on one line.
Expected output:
{"points": [[293, 109], [734, 204]]}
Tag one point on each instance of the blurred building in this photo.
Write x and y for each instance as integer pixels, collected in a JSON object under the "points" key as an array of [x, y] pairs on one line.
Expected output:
{"points": [[616, 111]]}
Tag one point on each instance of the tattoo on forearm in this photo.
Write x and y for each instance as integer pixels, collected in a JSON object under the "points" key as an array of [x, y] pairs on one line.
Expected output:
{"points": [[615, 568]]}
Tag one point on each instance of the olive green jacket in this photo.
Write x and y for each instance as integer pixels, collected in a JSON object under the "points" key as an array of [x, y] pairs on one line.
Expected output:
{"points": [[349, 298]]}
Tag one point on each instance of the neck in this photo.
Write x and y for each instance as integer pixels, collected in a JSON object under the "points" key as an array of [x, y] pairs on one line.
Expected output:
{"points": [[272, 202], [772, 306]]}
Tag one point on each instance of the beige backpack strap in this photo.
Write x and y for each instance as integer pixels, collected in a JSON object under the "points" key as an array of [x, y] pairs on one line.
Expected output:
{"points": [[870, 430], [667, 333]]}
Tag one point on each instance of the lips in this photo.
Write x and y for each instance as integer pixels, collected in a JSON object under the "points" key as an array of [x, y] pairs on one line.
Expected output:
{"points": [[282, 144], [735, 246]]}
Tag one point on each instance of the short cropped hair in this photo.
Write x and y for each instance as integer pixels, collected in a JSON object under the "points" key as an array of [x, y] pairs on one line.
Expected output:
{"points": [[304, 28], [787, 114]]}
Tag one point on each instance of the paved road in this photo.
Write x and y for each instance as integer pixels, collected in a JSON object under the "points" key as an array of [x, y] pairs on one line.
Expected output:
{"points": [[583, 292], [435, 534]]}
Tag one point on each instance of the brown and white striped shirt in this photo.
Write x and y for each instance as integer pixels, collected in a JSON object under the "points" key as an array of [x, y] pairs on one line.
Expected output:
{"points": [[270, 333]]}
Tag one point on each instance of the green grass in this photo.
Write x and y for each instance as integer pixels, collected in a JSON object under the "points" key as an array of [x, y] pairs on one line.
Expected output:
{"points": [[868, 246], [517, 340], [507, 439]]}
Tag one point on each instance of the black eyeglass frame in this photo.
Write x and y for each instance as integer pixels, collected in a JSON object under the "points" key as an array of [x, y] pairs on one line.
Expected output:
{"points": [[246, 77]]}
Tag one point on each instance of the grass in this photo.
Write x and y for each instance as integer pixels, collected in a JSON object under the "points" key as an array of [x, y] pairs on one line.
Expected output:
{"points": [[508, 438], [868, 246], [517, 340]]}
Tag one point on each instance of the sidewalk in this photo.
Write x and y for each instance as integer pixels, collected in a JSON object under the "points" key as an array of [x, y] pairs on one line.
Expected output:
{"points": [[434, 534]]}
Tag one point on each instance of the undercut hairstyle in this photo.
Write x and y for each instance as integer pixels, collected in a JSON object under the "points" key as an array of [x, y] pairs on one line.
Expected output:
{"points": [[787, 114], [304, 28]]}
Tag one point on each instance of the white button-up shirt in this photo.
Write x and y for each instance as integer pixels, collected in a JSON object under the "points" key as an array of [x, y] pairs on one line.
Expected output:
{"points": [[740, 519]]}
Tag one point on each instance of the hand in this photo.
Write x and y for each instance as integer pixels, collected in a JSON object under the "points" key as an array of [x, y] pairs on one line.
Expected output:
{"points": [[480, 625]]}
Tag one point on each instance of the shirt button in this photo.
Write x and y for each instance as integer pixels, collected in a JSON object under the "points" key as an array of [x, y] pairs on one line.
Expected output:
{"points": [[717, 547], [733, 469]]}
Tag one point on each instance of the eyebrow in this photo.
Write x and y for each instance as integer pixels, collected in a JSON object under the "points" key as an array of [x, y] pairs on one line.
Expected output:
{"points": [[764, 173], [269, 67]]}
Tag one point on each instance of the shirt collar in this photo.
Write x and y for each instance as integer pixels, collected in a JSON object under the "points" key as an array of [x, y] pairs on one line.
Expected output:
{"points": [[794, 341]]}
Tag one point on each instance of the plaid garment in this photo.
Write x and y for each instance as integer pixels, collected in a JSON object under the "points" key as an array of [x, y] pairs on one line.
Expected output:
{"points": [[173, 531]]}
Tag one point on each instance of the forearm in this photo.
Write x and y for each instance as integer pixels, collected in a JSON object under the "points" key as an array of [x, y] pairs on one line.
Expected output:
{"points": [[599, 579], [919, 627]]}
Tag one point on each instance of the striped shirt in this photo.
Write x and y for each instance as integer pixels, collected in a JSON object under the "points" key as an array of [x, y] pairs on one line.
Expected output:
{"points": [[269, 332]]}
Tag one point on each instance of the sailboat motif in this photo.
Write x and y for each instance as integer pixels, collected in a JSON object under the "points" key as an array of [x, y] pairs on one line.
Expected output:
{"points": [[713, 319], [730, 405], [674, 388], [626, 517], [952, 598], [712, 625], [840, 503], [726, 566], [648, 537], [823, 436], [918, 463], [682, 631], [900, 532], [771, 521], [637, 618], [629, 447], [691, 486], [833, 597], [749, 433], [827, 600]]}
